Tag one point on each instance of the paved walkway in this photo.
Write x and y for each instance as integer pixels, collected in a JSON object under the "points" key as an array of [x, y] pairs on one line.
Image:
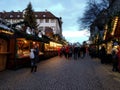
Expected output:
{"points": [[61, 74]]}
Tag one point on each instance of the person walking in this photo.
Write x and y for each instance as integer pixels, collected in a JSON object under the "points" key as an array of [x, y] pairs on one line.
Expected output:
{"points": [[36, 52], [75, 52], [32, 58], [115, 59], [103, 54], [83, 49], [67, 51]]}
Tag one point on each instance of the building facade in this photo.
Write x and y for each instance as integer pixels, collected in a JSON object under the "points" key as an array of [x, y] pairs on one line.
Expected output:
{"points": [[44, 19]]}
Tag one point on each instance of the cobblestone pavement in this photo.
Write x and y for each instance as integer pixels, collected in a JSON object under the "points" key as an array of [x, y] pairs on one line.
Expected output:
{"points": [[61, 74]]}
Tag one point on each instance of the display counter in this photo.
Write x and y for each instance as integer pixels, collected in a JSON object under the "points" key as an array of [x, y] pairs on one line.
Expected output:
{"points": [[26, 54]]}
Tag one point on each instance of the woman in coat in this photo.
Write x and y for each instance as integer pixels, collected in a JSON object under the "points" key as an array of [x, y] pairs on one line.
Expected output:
{"points": [[103, 54]]}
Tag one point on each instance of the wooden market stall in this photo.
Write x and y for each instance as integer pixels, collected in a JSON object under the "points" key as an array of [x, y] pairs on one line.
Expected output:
{"points": [[21, 42], [5, 35], [20, 48]]}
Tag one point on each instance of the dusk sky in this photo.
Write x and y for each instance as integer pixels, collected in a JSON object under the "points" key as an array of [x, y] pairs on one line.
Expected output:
{"points": [[69, 10]]}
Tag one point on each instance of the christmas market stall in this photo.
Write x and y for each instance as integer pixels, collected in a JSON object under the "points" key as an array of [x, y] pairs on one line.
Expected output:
{"points": [[20, 45], [112, 36], [5, 36], [51, 48], [23, 40]]}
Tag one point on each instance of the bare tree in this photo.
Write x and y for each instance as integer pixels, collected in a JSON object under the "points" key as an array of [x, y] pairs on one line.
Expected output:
{"points": [[93, 8]]}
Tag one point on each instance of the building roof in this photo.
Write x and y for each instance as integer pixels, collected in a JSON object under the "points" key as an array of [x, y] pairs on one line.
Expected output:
{"points": [[3, 25], [45, 14], [11, 15], [19, 15]]}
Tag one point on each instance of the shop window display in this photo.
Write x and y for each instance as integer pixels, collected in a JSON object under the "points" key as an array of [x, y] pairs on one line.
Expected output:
{"points": [[23, 47]]}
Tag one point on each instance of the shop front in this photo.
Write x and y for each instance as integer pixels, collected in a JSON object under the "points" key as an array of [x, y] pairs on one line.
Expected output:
{"points": [[112, 37], [51, 49], [20, 46], [23, 49]]}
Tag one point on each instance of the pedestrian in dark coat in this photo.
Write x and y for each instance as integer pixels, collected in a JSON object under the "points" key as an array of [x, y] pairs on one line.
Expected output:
{"points": [[76, 52], [67, 49], [83, 49], [103, 54], [115, 60], [36, 52]]}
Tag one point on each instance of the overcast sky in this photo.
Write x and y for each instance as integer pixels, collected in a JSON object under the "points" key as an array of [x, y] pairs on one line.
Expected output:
{"points": [[69, 10]]}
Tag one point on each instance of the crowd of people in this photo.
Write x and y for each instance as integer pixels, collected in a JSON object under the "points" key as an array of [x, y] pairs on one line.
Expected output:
{"points": [[116, 58], [74, 51], [113, 57]]}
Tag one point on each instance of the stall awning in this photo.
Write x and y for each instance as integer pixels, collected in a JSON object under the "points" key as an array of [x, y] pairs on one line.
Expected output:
{"points": [[20, 34], [5, 32]]}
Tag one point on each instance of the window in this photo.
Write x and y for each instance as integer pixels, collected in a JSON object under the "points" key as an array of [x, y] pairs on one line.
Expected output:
{"points": [[47, 20], [52, 20], [38, 21], [41, 20], [11, 16]]}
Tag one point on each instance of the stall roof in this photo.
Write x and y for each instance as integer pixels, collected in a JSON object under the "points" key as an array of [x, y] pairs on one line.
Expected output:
{"points": [[2, 26], [20, 34]]}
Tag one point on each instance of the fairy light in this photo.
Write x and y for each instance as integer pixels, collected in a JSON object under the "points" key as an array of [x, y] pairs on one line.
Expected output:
{"points": [[105, 32], [114, 26]]}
